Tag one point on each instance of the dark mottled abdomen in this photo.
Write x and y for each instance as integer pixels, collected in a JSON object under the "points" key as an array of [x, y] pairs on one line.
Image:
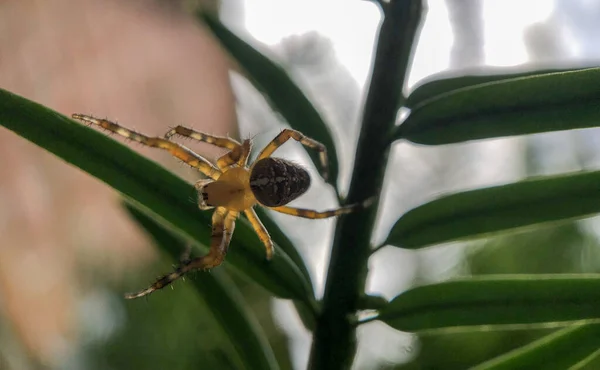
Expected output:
{"points": [[275, 181]]}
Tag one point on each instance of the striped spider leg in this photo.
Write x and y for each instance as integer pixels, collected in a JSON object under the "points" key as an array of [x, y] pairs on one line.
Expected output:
{"points": [[233, 187]]}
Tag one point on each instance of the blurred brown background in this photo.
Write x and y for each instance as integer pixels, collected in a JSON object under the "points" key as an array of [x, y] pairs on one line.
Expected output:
{"points": [[145, 66]]}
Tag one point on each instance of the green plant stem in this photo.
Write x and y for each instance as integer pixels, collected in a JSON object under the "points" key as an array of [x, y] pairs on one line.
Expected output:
{"points": [[334, 343]]}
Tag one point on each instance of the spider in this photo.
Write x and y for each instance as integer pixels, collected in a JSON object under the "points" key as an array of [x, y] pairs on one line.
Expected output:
{"points": [[233, 186]]}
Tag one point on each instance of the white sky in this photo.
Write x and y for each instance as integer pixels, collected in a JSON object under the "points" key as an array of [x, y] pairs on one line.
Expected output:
{"points": [[352, 29], [351, 25]]}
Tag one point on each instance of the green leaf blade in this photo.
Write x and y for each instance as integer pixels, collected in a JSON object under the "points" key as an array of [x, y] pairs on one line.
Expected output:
{"points": [[481, 212], [307, 313], [443, 83], [281, 92], [222, 299], [564, 349], [150, 187], [505, 300], [527, 105]]}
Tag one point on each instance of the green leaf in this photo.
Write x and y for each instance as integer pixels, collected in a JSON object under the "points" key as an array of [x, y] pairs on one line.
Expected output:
{"points": [[496, 300], [307, 314], [279, 237], [151, 187], [560, 350], [442, 83], [592, 362], [527, 105], [371, 302], [281, 92], [222, 299], [481, 212]]}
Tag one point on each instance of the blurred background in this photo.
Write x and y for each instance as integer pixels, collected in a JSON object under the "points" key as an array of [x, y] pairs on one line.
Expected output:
{"points": [[68, 250]]}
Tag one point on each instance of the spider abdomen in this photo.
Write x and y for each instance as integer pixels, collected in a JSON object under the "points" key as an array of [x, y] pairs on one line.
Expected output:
{"points": [[276, 181]]}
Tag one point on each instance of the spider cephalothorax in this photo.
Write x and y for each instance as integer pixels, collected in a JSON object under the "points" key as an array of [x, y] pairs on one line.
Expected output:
{"points": [[232, 187]]}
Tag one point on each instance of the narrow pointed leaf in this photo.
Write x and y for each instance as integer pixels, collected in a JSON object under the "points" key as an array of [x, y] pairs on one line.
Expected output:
{"points": [[281, 92], [372, 302], [592, 362], [481, 212], [222, 298], [496, 300], [442, 83], [563, 349], [150, 186], [306, 313], [283, 242], [519, 106]]}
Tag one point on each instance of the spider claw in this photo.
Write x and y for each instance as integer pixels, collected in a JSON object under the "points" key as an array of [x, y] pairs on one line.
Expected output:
{"points": [[270, 252], [160, 283], [146, 292]]}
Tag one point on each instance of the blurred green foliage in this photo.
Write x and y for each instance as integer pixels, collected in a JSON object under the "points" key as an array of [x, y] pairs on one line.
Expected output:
{"points": [[174, 329]]}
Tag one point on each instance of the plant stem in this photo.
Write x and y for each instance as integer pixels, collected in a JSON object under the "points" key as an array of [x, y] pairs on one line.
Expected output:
{"points": [[334, 343]]}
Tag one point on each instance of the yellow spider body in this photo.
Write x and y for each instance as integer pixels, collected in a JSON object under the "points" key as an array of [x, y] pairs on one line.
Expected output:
{"points": [[233, 187], [231, 190]]}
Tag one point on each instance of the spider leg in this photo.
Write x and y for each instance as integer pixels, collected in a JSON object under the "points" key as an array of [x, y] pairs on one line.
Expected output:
{"points": [[238, 156], [199, 185], [222, 230], [309, 213], [220, 141], [260, 229], [229, 228], [176, 150], [186, 254], [238, 153], [287, 134]]}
